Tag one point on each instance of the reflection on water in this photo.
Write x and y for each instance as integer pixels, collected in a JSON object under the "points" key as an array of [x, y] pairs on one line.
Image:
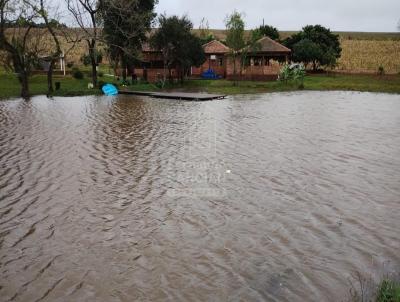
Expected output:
{"points": [[269, 197]]}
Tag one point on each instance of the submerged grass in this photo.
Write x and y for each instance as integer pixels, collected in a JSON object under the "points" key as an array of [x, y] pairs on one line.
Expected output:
{"points": [[9, 86], [366, 290], [388, 291]]}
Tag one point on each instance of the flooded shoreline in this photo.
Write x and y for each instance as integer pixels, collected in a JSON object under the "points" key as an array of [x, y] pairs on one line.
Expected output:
{"points": [[275, 197]]}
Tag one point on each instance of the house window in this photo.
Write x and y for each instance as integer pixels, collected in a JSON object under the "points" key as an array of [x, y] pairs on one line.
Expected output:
{"points": [[213, 57], [220, 62]]}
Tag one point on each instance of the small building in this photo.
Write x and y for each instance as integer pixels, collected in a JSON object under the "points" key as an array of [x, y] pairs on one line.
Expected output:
{"points": [[216, 59], [151, 67], [262, 63]]}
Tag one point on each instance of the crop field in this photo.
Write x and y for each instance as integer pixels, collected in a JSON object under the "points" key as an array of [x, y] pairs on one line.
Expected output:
{"points": [[362, 52], [360, 56]]}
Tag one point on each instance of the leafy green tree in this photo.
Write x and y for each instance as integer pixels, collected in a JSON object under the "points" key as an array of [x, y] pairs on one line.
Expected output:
{"points": [[307, 51], [179, 47], [268, 31], [125, 24], [235, 38], [318, 46]]}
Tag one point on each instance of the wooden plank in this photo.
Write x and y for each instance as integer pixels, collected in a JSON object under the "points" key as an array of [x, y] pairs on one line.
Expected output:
{"points": [[177, 95]]}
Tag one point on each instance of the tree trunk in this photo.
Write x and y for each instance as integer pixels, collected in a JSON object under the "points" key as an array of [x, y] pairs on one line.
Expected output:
{"points": [[50, 88], [234, 71], [182, 74], [93, 60], [165, 73], [170, 75], [23, 80], [124, 71], [94, 73]]}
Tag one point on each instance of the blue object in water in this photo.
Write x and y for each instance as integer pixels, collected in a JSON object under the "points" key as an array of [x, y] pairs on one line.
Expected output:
{"points": [[210, 74], [109, 89]]}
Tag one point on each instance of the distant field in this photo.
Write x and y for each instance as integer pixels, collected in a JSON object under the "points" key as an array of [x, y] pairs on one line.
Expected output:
{"points": [[221, 35], [362, 52], [368, 55], [356, 35]]}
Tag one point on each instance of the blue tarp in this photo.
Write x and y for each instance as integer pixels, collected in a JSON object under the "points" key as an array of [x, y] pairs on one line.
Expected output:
{"points": [[109, 89], [210, 74]]}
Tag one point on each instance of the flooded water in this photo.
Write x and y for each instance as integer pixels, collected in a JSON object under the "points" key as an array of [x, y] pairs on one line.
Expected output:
{"points": [[276, 197]]}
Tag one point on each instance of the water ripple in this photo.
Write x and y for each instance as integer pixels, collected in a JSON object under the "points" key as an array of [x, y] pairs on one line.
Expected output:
{"points": [[269, 197]]}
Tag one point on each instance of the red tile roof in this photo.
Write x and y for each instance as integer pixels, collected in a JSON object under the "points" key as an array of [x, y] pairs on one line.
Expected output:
{"points": [[215, 47], [269, 45]]}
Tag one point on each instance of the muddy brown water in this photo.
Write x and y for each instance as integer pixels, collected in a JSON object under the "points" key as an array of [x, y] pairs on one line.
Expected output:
{"points": [[276, 197]]}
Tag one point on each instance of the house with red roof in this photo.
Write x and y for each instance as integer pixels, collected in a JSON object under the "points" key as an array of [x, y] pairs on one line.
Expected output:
{"points": [[263, 62]]}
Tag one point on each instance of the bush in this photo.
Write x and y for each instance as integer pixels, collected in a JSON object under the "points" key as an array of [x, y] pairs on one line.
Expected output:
{"points": [[294, 72], [85, 59], [77, 74], [70, 64], [381, 70], [100, 74]]}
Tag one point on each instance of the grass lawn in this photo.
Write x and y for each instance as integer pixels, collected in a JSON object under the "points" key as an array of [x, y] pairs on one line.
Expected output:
{"points": [[370, 83], [9, 86]]}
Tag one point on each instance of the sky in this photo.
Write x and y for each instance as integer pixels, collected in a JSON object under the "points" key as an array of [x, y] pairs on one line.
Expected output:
{"points": [[339, 15]]}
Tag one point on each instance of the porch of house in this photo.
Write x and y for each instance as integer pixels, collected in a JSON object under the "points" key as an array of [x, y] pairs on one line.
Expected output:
{"points": [[259, 67]]}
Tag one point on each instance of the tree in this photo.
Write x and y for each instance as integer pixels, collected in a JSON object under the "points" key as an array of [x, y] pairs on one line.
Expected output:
{"points": [[315, 44], [204, 32], [57, 32], [307, 51], [235, 38], [268, 31], [86, 15], [179, 47], [19, 40], [125, 24]]}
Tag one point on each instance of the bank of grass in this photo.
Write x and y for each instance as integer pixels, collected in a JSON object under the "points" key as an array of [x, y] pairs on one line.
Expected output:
{"points": [[364, 83], [9, 86]]}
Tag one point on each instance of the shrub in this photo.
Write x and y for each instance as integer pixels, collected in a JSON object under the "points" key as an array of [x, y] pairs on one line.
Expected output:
{"points": [[100, 74], [101, 84], [85, 59], [77, 74], [294, 72], [70, 64], [381, 70]]}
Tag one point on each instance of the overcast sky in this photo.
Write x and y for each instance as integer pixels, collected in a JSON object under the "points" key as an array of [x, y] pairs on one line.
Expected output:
{"points": [[339, 15]]}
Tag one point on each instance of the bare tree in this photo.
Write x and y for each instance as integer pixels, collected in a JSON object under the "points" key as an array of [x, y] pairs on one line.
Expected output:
{"points": [[19, 39], [58, 33], [85, 13]]}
